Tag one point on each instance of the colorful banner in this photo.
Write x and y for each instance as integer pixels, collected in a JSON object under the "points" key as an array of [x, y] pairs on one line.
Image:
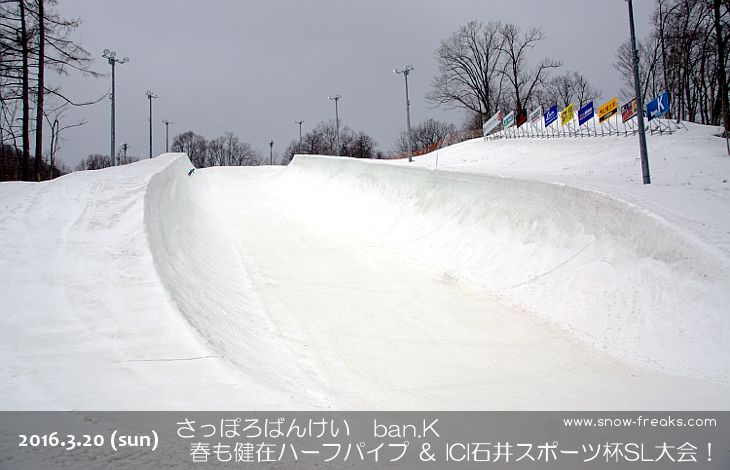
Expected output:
{"points": [[521, 117], [607, 110], [536, 115], [567, 115], [508, 120], [551, 115], [629, 110], [492, 123], [658, 107], [585, 113]]}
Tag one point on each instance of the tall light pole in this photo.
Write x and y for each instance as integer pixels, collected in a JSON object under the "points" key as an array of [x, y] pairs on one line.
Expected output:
{"points": [[406, 70], [337, 120], [150, 95], [111, 57], [300, 132], [639, 101], [167, 134]]}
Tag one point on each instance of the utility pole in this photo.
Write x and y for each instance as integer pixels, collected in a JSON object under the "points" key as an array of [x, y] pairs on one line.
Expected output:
{"points": [[337, 120], [406, 70], [167, 134], [639, 101], [111, 57], [151, 95], [300, 132]]}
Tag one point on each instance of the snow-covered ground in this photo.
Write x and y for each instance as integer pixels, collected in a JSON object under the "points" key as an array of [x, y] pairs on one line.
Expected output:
{"points": [[506, 274]]}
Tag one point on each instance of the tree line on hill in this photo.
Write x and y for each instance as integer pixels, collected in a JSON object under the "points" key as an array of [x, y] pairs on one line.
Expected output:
{"points": [[484, 68], [686, 54], [226, 150], [322, 140], [11, 168]]}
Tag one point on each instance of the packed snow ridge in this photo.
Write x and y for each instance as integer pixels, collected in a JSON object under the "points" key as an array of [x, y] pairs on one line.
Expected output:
{"points": [[291, 281]]}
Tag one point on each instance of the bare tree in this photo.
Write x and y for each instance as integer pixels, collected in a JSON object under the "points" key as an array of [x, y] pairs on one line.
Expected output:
{"points": [[57, 51], [559, 90], [228, 150], [9, 109], [322, 140], [472, 122], [523, 82], [123, 158], [469, 65], [41, 92], [685, 55], [649, 70], [721, 68], [34, 38], [24, 47], [193, 145], [361, 146], [295, 147], [425, 134], [584, 91], [95, 161], [562, 90], [54, 118]]}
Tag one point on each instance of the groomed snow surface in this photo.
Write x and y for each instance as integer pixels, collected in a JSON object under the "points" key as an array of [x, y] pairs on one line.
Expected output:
{"points": [[507, 274]]}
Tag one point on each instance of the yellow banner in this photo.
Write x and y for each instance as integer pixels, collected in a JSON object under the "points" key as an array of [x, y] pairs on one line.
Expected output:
{"points": [[567, 115], [607, 110]]}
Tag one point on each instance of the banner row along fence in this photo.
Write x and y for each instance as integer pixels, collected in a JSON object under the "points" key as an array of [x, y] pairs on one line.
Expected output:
{"points": [[568, 123], [585, 123]]}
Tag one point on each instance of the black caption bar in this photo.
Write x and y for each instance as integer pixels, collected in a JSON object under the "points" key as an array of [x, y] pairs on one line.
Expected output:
{"points": [[382, 440]]}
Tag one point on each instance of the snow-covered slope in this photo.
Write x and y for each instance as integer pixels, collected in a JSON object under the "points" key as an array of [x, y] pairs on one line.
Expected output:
{"points": [[199, 264], [360, 284], [615, 274], [91, 313]]}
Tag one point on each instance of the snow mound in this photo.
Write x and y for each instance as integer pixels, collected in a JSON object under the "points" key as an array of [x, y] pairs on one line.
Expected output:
{"points": [[615, 274]]}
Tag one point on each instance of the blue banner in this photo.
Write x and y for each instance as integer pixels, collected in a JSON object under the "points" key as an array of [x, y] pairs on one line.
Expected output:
{"points": [[551, 115], [585, 113], [658, 107]]}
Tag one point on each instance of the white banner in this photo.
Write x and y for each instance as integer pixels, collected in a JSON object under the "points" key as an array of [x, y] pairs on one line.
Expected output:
{"points": [[492, 123], [536, 115]]}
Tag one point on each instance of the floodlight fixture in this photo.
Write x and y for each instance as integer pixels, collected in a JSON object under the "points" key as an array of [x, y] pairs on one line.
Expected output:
{"points": [[406, 70], [337, 120], [111, 57], [151, 95]]}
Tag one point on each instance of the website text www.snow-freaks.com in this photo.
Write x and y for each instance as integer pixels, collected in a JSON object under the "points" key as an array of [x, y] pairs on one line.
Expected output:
{"points": [[640, 421]]}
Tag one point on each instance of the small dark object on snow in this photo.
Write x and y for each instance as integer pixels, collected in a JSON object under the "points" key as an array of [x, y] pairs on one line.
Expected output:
{"points": [[191, 172]]}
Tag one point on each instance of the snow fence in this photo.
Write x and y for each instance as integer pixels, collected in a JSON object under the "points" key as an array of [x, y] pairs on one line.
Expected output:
{"points": [[616, 275]]}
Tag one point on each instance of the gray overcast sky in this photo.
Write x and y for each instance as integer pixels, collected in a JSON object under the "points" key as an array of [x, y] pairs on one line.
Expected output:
{"points": [[253, 68]]}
